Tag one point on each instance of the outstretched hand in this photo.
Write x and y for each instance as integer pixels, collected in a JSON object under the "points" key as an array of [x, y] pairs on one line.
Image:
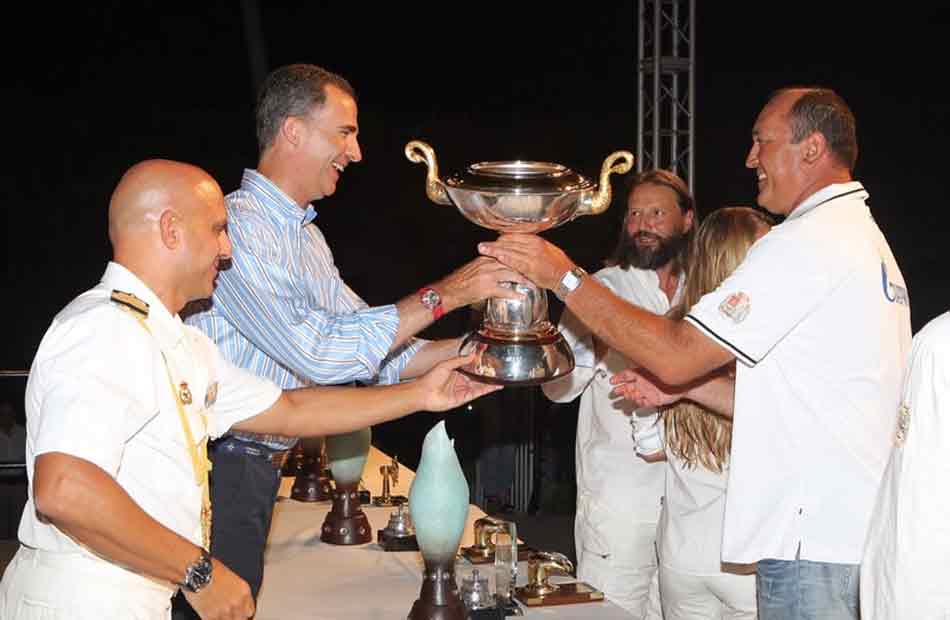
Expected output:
{"points": [[540, 261], [444, 387], [641, 389]]}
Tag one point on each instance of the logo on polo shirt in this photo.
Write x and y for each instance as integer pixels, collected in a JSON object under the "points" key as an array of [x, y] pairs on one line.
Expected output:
{"points": [[895, 293], [736, 307]]}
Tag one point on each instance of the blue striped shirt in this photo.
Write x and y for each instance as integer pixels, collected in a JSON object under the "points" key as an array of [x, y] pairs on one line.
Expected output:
{"points": [[283, 312]]}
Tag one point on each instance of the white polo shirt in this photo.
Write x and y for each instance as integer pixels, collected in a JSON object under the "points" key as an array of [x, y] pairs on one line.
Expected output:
{"points": [[818, 316], [903, 574], [99, 390], [609, 473]]}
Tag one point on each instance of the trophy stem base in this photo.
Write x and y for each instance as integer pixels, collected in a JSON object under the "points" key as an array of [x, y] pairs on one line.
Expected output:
{"points": [[439, 598], [517, 360]]}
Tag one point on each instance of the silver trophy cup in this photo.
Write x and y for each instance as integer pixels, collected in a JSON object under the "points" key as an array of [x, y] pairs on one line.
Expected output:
{"points": [[516, 344]]}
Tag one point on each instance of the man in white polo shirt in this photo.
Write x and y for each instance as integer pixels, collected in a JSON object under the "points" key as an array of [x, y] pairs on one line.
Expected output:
{"points": [[818, 317], [903, 573]]}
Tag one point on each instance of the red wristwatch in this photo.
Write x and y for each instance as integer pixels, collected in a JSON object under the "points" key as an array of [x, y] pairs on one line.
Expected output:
{"points": [[430, 298]]}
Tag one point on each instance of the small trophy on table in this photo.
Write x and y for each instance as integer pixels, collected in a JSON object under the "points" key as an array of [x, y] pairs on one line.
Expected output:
{"points": [[390, 475], [346, 524], [311, 476], [539, 591]]}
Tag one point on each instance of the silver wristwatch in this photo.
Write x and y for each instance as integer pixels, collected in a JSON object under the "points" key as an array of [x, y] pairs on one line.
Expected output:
{"points": [[569, 281], [198, 573]]}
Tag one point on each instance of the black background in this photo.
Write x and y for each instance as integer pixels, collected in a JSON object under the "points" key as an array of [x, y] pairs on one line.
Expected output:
{"points": [[88, 91]]}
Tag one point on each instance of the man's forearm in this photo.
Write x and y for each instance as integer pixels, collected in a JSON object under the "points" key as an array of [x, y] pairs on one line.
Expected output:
{"points": [[327, 345], [717, 394], [331, 410], [673, 351], [413, 318], [86, 503], [429, 355]]}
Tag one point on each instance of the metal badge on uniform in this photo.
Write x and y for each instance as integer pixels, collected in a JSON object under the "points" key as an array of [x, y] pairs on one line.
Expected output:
{"points": [[903, 424], [211, 396], [184, 393], [736, 307]]}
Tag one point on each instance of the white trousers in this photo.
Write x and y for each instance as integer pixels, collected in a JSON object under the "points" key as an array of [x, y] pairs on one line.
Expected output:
{"points": [[618, 557], [712, 597], [40, 585]]}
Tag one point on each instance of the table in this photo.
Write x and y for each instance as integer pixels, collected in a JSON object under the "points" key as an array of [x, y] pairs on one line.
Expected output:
{"points": [[305, 578]]}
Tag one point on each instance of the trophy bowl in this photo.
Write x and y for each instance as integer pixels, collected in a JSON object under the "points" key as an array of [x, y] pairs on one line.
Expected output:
{"points": [[516, 344], [519, 196]]}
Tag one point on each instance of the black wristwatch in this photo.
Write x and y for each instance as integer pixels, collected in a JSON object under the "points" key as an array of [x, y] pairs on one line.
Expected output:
{"points": [[198, 573]]}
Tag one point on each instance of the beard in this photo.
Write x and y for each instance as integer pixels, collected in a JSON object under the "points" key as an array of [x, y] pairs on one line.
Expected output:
{"points": [[635, 254]]}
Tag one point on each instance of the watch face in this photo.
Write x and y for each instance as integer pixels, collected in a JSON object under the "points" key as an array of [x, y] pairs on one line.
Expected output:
{"points": [[430, 299], [199, 574], [202, 579], [570, 281]]}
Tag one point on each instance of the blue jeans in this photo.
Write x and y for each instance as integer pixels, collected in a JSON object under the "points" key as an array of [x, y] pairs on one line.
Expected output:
{"points": [[803, 590]]}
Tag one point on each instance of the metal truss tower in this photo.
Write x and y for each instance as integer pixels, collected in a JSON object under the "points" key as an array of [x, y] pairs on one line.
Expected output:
{"points": [[666, 86]]}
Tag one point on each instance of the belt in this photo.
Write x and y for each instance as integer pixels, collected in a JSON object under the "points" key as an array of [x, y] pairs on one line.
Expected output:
{"points": [[230, 445], [81, 565]]}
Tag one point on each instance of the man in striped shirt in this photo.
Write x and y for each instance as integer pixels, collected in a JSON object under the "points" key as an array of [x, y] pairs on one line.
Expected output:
{"points": [[282, 310]]}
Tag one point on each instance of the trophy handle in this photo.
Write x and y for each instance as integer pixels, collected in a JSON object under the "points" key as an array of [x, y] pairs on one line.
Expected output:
{"points": [[418, 151], [618, 162]]}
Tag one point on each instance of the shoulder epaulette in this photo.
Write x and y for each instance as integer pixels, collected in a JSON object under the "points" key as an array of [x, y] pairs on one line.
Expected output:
{"points": [[130, 301]]}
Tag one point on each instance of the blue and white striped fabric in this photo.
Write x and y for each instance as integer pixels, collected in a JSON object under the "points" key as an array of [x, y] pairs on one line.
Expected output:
{"points": [[283, 312]]}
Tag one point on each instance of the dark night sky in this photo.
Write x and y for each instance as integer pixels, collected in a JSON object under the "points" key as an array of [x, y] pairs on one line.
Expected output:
{"points": [[125, 81]]}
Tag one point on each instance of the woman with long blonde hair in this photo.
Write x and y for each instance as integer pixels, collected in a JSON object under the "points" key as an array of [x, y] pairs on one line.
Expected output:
{"points": [[697, 442]]}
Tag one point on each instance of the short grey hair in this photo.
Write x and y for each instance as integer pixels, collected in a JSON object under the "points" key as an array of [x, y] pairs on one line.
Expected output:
{"points": [[292, 90]]}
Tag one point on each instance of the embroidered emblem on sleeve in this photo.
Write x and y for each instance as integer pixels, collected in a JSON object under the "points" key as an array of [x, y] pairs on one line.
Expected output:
{"points": [[903, 424], [211, 396], [736, 307]]}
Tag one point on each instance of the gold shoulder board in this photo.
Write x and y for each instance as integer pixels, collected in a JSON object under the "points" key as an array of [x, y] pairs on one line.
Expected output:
{"points": [[130, 301]]}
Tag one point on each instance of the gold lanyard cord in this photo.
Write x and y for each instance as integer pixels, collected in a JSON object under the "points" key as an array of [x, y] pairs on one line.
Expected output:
{"points": [[200, 463]]}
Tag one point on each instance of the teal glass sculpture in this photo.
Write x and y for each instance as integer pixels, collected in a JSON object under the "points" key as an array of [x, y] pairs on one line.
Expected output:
{"points": [[347, 454], [438, 500]]}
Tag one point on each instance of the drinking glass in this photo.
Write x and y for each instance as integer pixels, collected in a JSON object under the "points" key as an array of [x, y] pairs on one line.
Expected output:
{"points": [[506, 561]]}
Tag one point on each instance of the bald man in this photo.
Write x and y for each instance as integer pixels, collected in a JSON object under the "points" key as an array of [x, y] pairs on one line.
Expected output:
{"points": [[121, 400]]}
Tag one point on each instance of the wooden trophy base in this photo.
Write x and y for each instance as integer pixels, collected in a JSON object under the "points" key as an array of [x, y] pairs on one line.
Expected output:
{"points": [[566, 594], [396, 543], [309, 487], [353, 530], [346, 523], [439, 596]]}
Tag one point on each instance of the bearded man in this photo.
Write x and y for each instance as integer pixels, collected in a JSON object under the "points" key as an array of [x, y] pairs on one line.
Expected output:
{"points": [[618, 494]]}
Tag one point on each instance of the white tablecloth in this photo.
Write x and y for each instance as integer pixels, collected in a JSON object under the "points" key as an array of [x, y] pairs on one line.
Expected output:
{"points": [[305, 578]]}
